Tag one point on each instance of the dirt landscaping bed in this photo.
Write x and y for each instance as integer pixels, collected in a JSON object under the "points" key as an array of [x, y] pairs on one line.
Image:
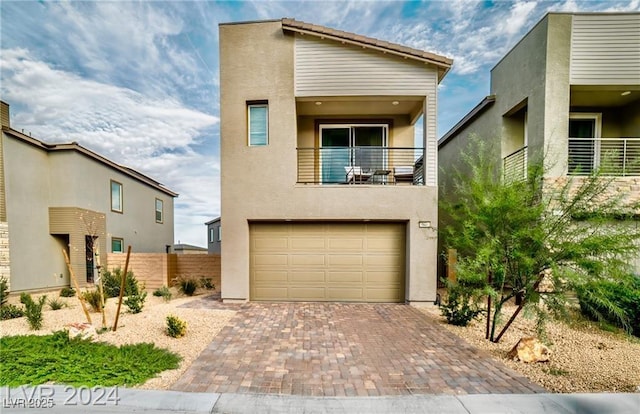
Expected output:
{"points": [[147, 326], [584, 358]]}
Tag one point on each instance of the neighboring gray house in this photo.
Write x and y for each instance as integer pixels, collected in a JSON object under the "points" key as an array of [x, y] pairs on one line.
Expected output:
{"points": [[214, 236], [183, 248], [63, 196], [325, 195], [568, 91]]}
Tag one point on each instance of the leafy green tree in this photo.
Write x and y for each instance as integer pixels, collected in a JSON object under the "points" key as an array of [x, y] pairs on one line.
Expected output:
{"points": [[537, 238]]}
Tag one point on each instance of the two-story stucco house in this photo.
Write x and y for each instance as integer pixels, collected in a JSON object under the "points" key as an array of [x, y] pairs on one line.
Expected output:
{"points": [[63, 196], [569, 92], [325, 194]]}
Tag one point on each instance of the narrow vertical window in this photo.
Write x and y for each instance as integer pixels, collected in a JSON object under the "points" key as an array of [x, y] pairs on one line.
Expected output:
{"points": [[258, 122], [219, 233], [116, 245], [212, 237], [116, 196], [159, 215]]}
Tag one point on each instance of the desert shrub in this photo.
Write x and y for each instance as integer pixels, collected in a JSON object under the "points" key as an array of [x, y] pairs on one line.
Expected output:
{"points": [[176, 327], [111, 281], [33, 310], [4, 290], [135, 303], [462, 304], [614, 302], [163, 292], [207, 283], [56, 304], [67, 292], [10, 311], [187, 285], [92, 297]]}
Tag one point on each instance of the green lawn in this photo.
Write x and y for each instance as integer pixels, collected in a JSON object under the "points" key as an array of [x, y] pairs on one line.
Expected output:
{"points": [[54, 358]]}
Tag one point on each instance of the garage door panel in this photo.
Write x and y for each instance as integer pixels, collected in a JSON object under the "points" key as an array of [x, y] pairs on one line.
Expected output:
{"points": [[307, 243], [385, 278], [306, 276], [274, 244], [385, 295], [308, 260], [270, 260], [271, 293], [327, 261], [382, 260], [351, 260], [307, 293], [345, 277], [270, 276], [346, 294], [346, 244]]}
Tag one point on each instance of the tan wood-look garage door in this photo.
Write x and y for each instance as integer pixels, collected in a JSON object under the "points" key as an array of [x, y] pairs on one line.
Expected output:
{"points": [[354, 262]]}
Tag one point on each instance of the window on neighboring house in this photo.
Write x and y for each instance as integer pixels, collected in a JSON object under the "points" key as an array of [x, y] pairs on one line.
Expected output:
{"points": [[258, 122], [159, 215], [117, 245], [116, 196], [219, 233], [212, 232]]}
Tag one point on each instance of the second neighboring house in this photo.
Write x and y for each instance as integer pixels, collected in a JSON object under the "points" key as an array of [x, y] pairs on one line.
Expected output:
{"points": [[56, 197], [568, 91], [214, 236], [326, 195], [183, 248]]}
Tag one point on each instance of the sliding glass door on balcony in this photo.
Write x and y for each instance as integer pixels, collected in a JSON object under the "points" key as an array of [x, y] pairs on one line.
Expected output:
{"points": [[583, 154], [346, 148]]}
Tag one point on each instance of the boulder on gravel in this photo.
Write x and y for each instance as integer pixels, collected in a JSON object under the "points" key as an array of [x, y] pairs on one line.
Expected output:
{"points": [[81, 330], [529, 349]]}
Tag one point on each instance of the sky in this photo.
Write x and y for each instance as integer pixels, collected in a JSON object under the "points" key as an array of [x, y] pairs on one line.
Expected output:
{"points": [[137, 81]]}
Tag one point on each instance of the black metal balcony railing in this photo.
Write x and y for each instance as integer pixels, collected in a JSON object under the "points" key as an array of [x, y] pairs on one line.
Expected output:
{"points": [[514, 166], [361, 165], [613, 156]]}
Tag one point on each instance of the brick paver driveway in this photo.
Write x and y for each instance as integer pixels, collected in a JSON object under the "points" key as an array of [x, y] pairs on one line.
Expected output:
{"points": [[335, 349]]}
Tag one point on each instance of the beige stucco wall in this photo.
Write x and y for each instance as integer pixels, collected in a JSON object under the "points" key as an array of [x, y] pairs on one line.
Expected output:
{"points": [[37, 180], [259, 183], [79, 181]]}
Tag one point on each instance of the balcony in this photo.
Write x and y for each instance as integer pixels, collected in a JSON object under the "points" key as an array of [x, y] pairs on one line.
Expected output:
{"points": [[514, 166], [613, 156], [372, 165]]}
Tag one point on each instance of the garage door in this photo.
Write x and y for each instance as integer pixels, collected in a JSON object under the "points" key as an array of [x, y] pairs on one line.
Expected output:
{"points": [[354, 262]]}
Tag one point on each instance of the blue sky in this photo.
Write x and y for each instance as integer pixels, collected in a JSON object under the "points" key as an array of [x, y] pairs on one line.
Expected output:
{"points": [[138, 81]]}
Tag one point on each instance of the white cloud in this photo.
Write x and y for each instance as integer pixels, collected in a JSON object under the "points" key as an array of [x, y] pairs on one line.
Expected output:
{"points": [[155, 136]]}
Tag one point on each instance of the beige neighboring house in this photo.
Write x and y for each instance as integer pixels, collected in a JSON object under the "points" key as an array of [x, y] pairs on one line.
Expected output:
{"points": [[214, 236], [61, 196], [183, 248], [325, 194], [570, 91]]}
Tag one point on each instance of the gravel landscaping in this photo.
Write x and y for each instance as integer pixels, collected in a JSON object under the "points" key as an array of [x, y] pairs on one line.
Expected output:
{"points": [[584, 358], [147, 326]]}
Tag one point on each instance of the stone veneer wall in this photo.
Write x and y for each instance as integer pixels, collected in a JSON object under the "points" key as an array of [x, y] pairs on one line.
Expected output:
{"points": [[627, 188], [5, 268]]}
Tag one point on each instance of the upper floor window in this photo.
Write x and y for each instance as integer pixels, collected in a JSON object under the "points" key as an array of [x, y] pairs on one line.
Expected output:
{"points": [[117, 245], [212, 232], [159, 209], [258, 122], [219, 233], [116, 196]]}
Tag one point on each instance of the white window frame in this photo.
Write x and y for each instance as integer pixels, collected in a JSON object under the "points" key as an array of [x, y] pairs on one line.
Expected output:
{"points": [[212, 234], [257, 104], [219, 233], [119, 209], [161, 211]]}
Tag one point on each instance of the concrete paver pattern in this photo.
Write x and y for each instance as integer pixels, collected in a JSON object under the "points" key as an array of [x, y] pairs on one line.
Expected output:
{"points": [[337, 349]]}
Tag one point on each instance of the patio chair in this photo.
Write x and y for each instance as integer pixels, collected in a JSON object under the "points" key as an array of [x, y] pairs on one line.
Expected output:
{"points": [[403, 174], [356, 175]]}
